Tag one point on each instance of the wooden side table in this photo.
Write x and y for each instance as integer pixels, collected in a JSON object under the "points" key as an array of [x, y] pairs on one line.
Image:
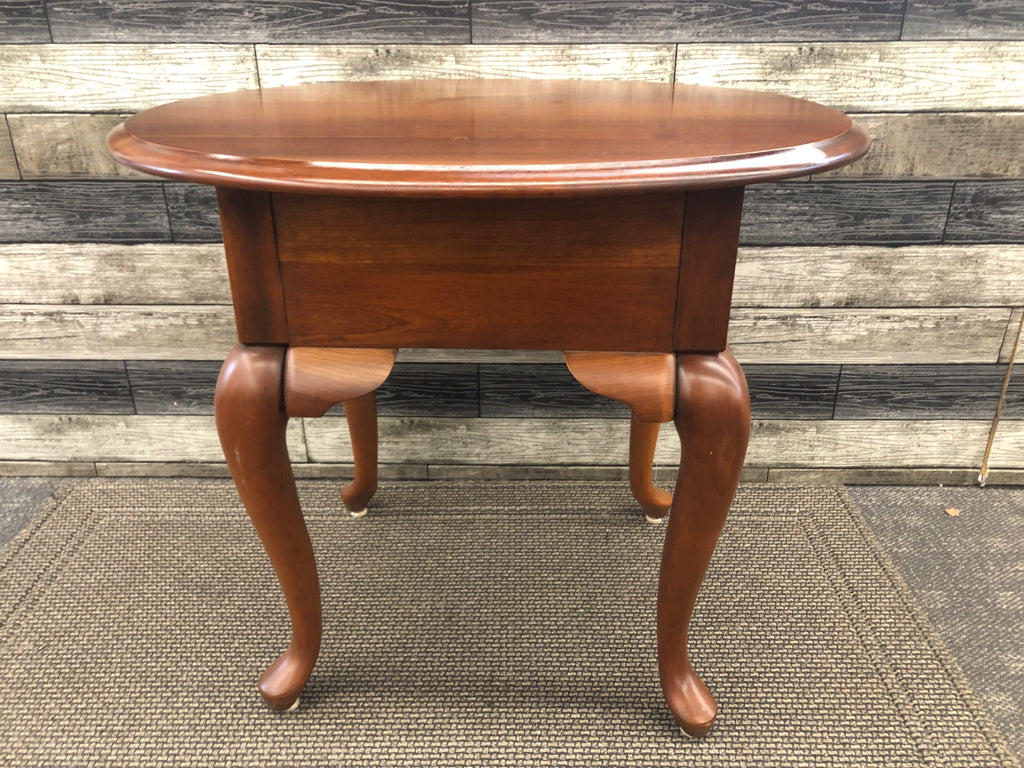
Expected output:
{"points": [[596, 218]]}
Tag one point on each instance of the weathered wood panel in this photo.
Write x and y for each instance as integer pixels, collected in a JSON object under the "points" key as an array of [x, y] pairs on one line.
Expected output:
{"points": [[120, 438], [193, 213], [58, 386], [540, 391], [34, 331], [836, 276], [66, 146], [868, 77], [949, 146], [1008, 447], [104, 273], [97, 78], [429, 389], [912, 276], [924, 392], [987, 212], [964, 20], [478, 356], [792, 391], [82, 211], [1010, 338], [758, 336], [173, 387], [289, 64], [553, 442], [571, 21], [280, 21], [864, 212], [8, 165], [23, 21], [868, 335]]}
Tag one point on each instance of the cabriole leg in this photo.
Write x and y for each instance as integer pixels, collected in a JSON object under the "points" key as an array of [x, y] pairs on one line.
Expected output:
{"points": [[251, 422], [713, 420], [361, 413], [643, 439]]}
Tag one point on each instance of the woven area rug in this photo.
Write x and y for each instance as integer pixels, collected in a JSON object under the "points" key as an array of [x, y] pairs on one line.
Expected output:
{"points": [[489, 623]]}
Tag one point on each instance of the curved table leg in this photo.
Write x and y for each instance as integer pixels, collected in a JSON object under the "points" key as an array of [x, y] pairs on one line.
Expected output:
{"points": [[713, 420], [251, 422], [643, 438], [361, 414]]}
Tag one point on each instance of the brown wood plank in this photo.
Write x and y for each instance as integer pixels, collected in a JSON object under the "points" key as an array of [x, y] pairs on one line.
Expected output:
{"points": [[253, 271], [706, 266], [481, 273]]}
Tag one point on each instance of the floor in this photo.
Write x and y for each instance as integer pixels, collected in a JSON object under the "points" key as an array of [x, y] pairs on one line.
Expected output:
{"points": [[959, 550]]}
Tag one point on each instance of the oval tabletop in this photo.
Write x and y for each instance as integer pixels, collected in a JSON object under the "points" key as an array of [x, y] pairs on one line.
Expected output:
{"points": [[487, 137]]}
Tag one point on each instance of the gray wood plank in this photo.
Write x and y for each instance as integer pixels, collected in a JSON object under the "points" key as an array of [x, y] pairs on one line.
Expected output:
{"points": [[263, 21], [66, 146], [23, 21], [604, 442], [118, 78], [868, 77], [170, 387], [810, 276], [540, 391], [550, 391], [430, 389], [987, 212], [1008, 446], [792, 391], [845, 212], [923, 392], [289, 64], [36, 437], [108, 273], [870, 276], [1010, 341], [8, 164], [599, 21], [39, 331], [82, 211], [867, 336], [193, 213], [59, 386], [964, 20], [940, 145]]}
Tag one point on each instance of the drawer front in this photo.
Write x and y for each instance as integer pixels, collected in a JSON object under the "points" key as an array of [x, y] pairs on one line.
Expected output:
{"points": [[596, 273]]}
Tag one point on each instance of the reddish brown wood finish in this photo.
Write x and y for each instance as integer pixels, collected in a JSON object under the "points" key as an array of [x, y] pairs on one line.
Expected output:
{"points": [[713, 420], [711, 236], [598, 273], [591, 215], [643, 440], [251, 423], [487, 138], [315, 379], [249, 243]]}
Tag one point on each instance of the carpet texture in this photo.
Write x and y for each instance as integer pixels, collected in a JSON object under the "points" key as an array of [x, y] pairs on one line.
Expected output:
{"points": [[491, 623]]}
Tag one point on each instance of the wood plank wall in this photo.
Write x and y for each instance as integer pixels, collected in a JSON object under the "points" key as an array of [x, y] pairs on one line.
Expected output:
{"points": [[875, 306]]}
